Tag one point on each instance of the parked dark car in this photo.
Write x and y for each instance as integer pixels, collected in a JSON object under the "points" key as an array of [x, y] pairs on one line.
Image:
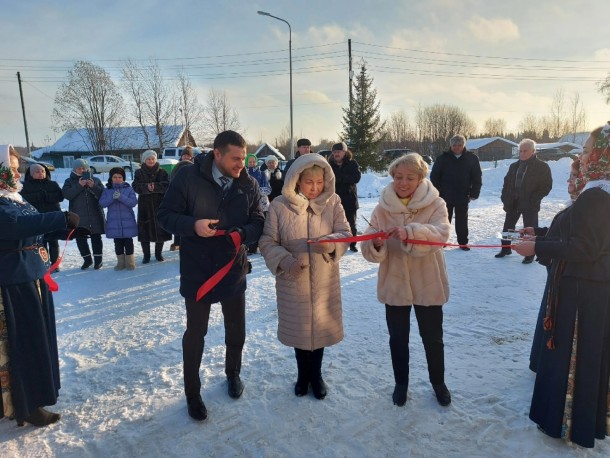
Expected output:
{"points": [[25, 162], [391, 154], [553, 154]]}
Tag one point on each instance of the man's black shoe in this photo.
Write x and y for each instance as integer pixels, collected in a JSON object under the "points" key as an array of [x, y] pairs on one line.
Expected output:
{"points": [[236, 387], [528, 260], [465, 248], [197, 409], [399, 397], [503, 253], [442, 394]]}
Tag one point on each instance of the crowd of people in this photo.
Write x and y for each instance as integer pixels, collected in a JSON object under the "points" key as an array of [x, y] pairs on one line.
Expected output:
{"points": [[220, 207]]}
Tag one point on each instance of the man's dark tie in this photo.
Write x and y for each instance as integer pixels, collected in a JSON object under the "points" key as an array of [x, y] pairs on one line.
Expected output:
{"points": [[225, 183]]}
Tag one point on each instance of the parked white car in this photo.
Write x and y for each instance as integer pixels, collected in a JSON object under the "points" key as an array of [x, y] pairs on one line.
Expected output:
{"points": [[176, 151], [103, 163]]}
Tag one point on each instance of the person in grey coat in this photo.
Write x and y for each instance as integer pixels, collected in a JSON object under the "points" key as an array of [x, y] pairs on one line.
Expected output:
{"points": [[83, 190]]}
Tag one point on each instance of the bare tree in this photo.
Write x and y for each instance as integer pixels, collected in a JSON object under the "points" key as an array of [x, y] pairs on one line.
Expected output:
{"points": [[604, 88], [153, 99], [531, 127], [133, 83], [494, 127], [578, 116], [558, 123], [191, 111], [219, 115], [436, 125], [399, 130], [90, 100]]}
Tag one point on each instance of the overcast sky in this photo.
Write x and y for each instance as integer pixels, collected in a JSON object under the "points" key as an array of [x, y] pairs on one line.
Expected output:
{"points": [[491, 58]]}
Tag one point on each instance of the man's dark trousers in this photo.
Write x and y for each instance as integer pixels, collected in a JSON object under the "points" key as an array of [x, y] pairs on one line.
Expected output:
{"points": [[197, 318], [461, 221]]}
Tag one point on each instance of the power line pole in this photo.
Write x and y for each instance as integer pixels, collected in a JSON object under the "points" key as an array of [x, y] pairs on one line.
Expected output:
{"points": [[351, 75], [25, 123]]}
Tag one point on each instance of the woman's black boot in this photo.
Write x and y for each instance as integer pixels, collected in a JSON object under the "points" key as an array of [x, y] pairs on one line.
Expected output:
{"points": [[301, 387], [315, 373], [158, 252], [145, 252]]}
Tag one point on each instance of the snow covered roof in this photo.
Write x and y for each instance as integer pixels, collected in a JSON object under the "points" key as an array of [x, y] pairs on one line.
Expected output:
{"points": [[273, 150], [559, 144], [579, 138], [122, 138], [477, 143]]}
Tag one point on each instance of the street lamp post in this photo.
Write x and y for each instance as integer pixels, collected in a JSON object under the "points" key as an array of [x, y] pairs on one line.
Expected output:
{"points": [[263, 13]]}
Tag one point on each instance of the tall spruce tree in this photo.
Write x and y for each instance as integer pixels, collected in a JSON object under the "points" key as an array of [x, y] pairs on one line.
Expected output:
{"points": [[362, 125]]}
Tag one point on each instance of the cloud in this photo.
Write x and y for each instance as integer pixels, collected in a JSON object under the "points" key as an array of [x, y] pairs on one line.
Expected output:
{"points": [[602, 55], [493, 30]]}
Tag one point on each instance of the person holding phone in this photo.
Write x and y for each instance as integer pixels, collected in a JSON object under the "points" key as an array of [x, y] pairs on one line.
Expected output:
{"points": [[84, 191]]}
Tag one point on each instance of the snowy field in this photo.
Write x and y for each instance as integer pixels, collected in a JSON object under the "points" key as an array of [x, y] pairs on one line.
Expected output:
{"points": [[121, 362]]}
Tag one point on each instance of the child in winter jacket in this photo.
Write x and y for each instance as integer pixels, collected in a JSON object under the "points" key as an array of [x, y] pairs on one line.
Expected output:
{"points": [[307, 274], [120, 199]]}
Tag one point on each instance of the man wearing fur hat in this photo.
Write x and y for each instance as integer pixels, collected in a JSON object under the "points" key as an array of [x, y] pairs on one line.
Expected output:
{"points": [[216, 193], [347, 175], [303, 147]]}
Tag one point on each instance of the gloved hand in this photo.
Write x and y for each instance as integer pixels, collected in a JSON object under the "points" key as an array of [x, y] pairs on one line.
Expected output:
{"points": [[321, 248], [292, 266], [239, 230], [116, 194], [72, 220]]}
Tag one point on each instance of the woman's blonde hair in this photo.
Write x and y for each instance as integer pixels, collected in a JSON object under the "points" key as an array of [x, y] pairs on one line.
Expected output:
{"points": [[414, 161], [314, 169]]}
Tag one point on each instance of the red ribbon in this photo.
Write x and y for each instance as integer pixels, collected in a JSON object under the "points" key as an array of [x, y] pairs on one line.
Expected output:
{"points": [[211, 282], [384, 235], [52, 284]]}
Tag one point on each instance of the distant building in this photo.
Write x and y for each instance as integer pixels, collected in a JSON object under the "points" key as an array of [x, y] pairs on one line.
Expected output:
{"points": [[126, 142], [492, 148], [578, 138], [266, 150]]}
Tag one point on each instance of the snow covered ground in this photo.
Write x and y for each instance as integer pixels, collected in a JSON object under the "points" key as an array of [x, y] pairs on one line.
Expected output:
{"points": [[120, 353]]}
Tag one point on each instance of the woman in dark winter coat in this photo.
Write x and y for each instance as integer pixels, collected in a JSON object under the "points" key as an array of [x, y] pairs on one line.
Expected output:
{"points": [[45, 195], [274, 177], [29, 363], [83, 190], [572, 387], [347, 174], [261, 178], [150, 182], [120, 198]]}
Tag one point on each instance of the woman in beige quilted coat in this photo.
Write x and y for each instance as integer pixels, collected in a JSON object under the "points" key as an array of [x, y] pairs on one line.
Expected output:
{"points": [[307, 274], [412, 274]]}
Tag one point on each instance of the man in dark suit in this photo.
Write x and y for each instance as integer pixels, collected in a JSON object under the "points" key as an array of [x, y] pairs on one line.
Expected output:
{"points": [[214, 193]]}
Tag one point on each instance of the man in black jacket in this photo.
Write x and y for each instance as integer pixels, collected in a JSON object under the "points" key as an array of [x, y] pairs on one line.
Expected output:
{"points": [[215, 193], [457, 176], [347, 175], [527, 182]]}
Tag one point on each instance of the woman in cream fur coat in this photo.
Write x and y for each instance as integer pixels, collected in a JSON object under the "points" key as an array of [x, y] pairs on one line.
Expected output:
{"points": [[412, 275], [307, 274]]}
